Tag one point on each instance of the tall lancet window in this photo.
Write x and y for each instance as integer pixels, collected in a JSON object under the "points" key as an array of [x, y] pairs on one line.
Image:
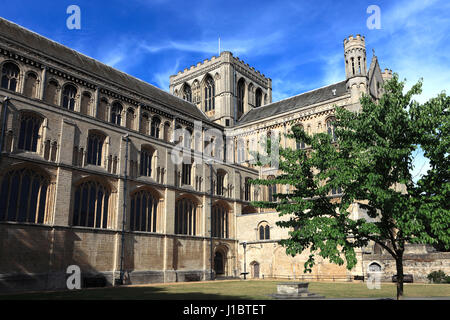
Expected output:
{"points": [[258, 98], [186, 217], [220, 223], [187, 93], [116, 113], [210, 93], [240, 96], [331, 129]]}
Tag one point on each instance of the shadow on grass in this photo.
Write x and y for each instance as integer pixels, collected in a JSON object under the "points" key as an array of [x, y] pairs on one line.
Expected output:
{"points": [[121, 293]]}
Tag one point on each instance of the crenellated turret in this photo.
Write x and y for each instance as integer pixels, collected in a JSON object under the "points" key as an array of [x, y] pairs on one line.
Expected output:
{"points": [[387, 75], [355, 66]]}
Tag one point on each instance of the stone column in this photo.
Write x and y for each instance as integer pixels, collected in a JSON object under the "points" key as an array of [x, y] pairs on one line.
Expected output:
{"points": [[96, 101], [43, 82], [63, 194], [169, 211]]}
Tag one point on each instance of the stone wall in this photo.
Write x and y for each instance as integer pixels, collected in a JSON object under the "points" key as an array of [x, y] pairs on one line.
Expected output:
{"points": [[419, 265]]}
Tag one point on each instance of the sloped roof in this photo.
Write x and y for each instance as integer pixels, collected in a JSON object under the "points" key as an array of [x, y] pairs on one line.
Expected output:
{"points": [[295, 102], [94, 67]]}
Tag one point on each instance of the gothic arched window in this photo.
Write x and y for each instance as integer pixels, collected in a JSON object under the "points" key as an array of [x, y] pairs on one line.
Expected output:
{"points": [[221, 181], [272, 188], [264, 231], [240, 96], [91, 205], [240, 150], [69, 96], [220, 223], [10, 76], [156, 122], [335, 191], [144, 211], [186, 217], [196, 96], [187, 92], [116, 113], [210, 93], [331, 129], [186, 173], [30, 126], [95, 148], [23, 196], [247, 189], [144, 123], [130, 118], [146, 161], [258, 97]]}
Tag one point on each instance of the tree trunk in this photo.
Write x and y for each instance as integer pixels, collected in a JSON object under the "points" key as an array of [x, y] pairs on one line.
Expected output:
{"points": [[399, 264]]}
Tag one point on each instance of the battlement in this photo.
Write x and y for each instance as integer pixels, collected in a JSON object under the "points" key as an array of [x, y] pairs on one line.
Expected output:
{"points": [[386, 74], [243, 64], [199, 64], [226, 57], [354, 42], [358, 39]]}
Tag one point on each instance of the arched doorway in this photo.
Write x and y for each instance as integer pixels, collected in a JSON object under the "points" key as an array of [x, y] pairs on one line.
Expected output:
{"points": [[374, 267], [255, 270], [219, 263]]}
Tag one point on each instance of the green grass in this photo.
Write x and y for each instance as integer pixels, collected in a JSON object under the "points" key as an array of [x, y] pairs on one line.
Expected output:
{"points": [[228, 290]]}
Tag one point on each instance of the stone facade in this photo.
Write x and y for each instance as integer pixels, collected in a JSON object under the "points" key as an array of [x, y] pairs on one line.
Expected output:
{"points": [[88, 176], [228, 73]]}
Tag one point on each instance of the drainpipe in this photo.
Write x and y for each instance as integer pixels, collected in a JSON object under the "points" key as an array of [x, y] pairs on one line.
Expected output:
{"points": [[234, 96], [211, 218], [5, 112], [124, 213]]}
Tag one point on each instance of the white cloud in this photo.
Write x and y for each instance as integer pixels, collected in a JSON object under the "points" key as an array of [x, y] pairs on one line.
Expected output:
{"points": [[162, 78], [416, 43], [237, 45]]}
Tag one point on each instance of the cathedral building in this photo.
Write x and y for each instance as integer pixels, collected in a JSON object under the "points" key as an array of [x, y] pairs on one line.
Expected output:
{"points": [[104, 171]]}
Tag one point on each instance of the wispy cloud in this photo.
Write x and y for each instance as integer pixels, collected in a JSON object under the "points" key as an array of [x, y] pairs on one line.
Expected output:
{"points": [[162, 77], [238, 45], [415, 43]]}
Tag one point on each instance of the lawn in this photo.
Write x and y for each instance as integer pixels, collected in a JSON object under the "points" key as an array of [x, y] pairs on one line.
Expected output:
{"points": [[236, 290]]}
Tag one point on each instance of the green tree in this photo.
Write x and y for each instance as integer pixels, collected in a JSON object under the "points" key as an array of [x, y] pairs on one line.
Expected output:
{"points": [[370, 160]]}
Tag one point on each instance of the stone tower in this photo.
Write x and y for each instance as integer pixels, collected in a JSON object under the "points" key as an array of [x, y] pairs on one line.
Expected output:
{"points": [[224, 87], [356, 66]]}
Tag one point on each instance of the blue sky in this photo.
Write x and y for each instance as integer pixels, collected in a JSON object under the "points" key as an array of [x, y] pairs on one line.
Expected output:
{"points": [[296, 43]]}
